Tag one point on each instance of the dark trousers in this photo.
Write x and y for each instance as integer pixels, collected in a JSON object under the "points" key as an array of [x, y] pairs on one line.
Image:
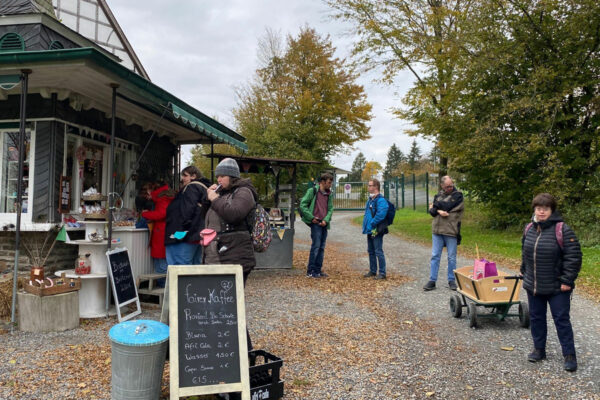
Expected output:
{"points": [[318, 235], [560, 306]]}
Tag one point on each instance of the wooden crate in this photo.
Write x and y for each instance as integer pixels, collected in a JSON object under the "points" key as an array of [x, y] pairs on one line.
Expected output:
{"points": [[495, 289], [56, 289]]}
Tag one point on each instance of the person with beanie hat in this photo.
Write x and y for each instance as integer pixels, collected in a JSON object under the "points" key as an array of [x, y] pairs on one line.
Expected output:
{"points": [[228, 167], [231, 202]]}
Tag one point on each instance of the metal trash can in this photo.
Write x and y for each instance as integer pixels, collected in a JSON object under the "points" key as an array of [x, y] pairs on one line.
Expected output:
{"points": [[138, 358]]}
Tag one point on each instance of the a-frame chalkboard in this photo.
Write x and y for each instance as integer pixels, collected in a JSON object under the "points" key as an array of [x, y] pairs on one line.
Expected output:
{"points": [[123, 282], [208, 350]]}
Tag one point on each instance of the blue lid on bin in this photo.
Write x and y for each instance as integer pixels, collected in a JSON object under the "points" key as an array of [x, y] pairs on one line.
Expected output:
{"points": [[141, 332]]}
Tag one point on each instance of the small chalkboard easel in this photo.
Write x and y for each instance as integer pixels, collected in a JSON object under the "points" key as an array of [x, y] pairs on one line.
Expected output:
{"points": [[207, 343], [123, 282]]}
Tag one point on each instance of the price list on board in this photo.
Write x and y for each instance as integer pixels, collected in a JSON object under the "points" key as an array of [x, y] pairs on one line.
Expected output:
{"points": [[208, 342]]}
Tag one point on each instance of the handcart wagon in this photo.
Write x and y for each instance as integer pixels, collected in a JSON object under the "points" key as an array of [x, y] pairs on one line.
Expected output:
{"points": [[496, 293]]}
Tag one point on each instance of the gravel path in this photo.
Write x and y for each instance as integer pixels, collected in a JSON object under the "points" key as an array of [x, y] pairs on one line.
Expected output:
{"points": [[454, 361], [345, 337]]}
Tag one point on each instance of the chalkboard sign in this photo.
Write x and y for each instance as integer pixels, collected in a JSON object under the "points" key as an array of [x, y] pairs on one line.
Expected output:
{"points": [[208, 348], [123, 282], [64, 200]]}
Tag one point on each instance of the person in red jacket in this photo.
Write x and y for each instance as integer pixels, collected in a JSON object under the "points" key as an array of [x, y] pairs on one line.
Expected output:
{"points": [[162, 197]]}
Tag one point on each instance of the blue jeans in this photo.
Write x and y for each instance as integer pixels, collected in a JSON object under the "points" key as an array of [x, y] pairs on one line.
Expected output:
{"points": [[560, 306], [318, 234], [184, 254], [375, 249], [438, 243], [160, 267]]}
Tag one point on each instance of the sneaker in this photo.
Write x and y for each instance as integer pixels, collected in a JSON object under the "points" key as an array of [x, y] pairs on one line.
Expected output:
{"points": [[429, 286], [452, 285], [322, 275], [310, 276], [538, 355], [369, 275], [380, 277], [570, 363]]}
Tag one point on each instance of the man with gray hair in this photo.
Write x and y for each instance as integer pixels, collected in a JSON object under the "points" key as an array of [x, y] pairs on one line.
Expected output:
{"points": [[447, 209]]}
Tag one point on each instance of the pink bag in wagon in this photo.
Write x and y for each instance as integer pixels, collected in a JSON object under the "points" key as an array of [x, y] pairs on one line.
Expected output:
{"points": [[484, 268]]}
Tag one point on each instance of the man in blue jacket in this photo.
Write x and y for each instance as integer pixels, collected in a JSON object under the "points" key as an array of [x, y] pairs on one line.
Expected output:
{"points": [[375, 212]]}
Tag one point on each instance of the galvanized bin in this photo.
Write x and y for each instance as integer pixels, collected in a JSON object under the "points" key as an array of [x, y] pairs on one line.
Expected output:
{"points": [[138, 358]]}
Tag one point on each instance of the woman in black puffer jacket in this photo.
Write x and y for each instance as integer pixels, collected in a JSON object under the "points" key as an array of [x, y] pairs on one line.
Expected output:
{"points": [[550, 267]]}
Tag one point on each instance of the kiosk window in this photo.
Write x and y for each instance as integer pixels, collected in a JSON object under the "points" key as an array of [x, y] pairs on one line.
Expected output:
{"points": [[9, 167]]}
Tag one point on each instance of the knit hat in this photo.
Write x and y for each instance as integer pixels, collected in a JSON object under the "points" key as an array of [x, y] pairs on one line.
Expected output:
{"points": [[228, 167]]}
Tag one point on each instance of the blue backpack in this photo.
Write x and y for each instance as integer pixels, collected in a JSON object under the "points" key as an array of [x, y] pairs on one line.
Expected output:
{"points": [[389, 216]]}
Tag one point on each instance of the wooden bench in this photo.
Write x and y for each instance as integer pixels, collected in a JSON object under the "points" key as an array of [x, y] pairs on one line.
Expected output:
{"points": [[151, 289]]}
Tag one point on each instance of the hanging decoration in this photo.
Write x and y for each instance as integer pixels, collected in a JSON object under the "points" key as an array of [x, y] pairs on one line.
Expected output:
{"points": [[246, 166], [280, 233], [80, 154]]}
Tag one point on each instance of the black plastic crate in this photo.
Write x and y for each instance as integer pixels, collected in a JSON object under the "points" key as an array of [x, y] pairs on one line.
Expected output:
{"points": [[265, 383]]}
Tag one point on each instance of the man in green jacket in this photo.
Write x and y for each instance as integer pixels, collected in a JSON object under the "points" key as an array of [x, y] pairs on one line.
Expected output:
{"points": [[316, 208]]}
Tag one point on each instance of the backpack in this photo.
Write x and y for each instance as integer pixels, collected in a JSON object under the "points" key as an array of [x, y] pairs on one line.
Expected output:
{"points": [[389, 216], [558, 231], [260, 228], [258, 224]]}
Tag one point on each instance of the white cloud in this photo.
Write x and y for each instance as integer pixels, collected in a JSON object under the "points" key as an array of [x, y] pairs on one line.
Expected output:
{"points": [[201, 50]]}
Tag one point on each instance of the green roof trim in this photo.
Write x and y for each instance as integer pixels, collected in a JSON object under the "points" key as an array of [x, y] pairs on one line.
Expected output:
{"points": [[201, 126], [194, 119]]}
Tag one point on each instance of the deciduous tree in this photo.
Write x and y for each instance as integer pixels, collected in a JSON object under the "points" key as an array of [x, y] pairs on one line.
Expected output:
{"points": [[303, 103]]}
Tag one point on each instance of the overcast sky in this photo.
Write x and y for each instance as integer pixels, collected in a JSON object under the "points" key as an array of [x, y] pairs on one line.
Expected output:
{"points": [[201, 50]]}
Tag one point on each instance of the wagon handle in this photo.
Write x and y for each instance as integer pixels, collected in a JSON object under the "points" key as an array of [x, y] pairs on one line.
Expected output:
{"points": [[516, 278]]}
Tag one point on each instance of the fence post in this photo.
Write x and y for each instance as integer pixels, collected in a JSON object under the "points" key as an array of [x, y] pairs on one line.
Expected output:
{"points": [[414, 185], [426, 191], [396, 186], [403, 190]]}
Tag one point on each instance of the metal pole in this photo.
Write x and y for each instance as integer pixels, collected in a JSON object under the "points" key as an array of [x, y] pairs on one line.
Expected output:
{"points": [[396, 185], [293, 199], [414, 192], [402, 189], [23, 110], [111, 181], [212, 160], [426, 191]]}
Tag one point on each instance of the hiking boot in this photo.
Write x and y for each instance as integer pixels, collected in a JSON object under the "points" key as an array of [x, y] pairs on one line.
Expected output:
{"points": [[380, 277], [538, 355], [570, 363], [369, 275], [452, 285], [429, 286]]}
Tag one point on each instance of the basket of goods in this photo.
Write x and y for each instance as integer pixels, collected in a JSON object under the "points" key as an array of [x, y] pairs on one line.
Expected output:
{"points": [[94, 197]]}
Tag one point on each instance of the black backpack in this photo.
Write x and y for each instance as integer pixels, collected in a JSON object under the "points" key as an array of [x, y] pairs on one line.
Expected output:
{"points": [[389, 217]]}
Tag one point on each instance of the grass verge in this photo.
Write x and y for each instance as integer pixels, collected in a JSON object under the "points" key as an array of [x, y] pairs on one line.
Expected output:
{"points": [[502, 246]]}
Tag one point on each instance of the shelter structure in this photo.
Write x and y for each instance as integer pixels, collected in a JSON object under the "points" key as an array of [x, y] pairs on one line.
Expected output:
{"points": [[79, 115], [77, 88], [281, 251]]}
